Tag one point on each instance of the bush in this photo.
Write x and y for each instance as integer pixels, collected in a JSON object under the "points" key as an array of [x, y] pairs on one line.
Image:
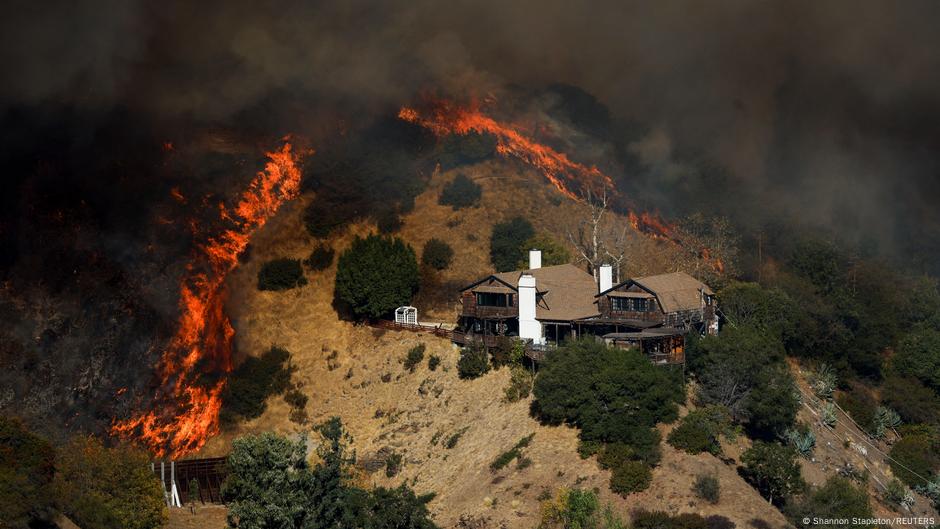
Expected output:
{"points": [[393, 464], [919, 453], [281, 274], [433, 362], [473, 362], [918, 356], [388, 221], [26, 472], [707, 487], [253, 382], [773, 470], [376, 275], [506, 243], [295, 398], [630, 477], [461, 192], [577, 509], [415, 356], [437, 254], [515, 452], [520, 384], [699, 431], [915, 402], [455, 150], [553, 253], [320, 258], [860, 405], [108, 488], [837, 499]]}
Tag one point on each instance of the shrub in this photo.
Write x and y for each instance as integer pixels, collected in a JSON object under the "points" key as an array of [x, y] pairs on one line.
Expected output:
{"points": [[897, 494], [506, 243], [281, 274], [433, 362], [26, 472], [455, 150], [515, 452], [320, 258], [630, 477], [577, 509], [473, 362], [295, 398], [836, 499], [393, 464], [253, 382], [388, 221], [699, 431], [415, 356], [918, 356], [772, 469], [553, 253], [451, 441], [707, 487], [802, 439], [108, 488], [920, 454], [914, 402], [437, 254], [520, 384], [376, 275], [461, 192], [660, 520], [860, 405]]}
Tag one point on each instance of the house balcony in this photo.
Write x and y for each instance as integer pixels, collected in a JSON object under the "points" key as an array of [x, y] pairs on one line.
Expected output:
{"points": [[489, 313]]}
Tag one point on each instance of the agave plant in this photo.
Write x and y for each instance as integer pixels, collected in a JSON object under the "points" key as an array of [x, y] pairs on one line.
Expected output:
{"points": [[884, 419], [824, 381], [828, 415], [804, 441]]}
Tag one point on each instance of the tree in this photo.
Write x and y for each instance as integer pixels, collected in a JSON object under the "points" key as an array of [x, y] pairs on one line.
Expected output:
{"points": [[769, 310], [611, 394], [918, 356], [474, 362], [915, 458], [376, 275], [836, 499], [437, 254], [596, 241], [26, 472], [553, 252], [108, 488], [461, 192], [699, 431], [252, 382], [506, 243], [773, 470], [281, 274]]}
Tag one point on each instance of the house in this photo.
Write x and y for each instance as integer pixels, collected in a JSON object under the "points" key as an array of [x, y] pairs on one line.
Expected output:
{"points": [[548, 305]]}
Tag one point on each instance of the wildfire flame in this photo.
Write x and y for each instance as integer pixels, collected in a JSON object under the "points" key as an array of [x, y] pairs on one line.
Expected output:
{"points": [[445, 117], [203, 341]]}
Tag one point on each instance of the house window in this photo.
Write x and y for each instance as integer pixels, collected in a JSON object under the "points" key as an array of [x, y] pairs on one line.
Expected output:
{"points": [[631, 304], [493, 299]]}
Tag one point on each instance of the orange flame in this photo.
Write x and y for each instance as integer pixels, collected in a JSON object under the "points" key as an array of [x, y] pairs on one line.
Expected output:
{"points": [[448, 118], [203, 341], [445, 117]]}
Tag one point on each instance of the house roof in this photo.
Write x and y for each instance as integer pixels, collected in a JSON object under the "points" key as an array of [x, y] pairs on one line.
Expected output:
{"points": [[567, 291], [676, 291]]}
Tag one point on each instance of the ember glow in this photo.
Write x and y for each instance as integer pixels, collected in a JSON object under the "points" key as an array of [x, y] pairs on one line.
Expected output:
{"points": [[185, 412]]}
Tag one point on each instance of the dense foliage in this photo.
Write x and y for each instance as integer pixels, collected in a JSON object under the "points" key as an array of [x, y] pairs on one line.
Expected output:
{"points": [[836, 499], [553, 252], [252, 382], [743, 370], [699, 431], [26, 472], [461, 192], [376, 275], [473, 362], [270, 484], [916, 457], [773, 470], [320, 258], [108, 488], [437, 254], [577, 509], [281, 274], [507, 243]]}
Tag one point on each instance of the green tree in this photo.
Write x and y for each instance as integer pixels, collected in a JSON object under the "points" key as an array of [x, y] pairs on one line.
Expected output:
{"points": [[461, 192], [918, 356], [108, 488], [26, 472], [376, 275], [252, 382], [611, 394], [773, 470], [915, 458], [506, 243], [836, 499], [437, 254], [553, 252], [769, 310], [699, 431]]}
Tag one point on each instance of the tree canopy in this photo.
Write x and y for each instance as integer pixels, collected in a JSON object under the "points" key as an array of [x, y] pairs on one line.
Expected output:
{"points": [[506, 243], [376, 275]]}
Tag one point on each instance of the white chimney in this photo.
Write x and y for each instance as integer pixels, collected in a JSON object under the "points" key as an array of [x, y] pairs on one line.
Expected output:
{"points": [[606, 280], [529, 327], [535, 259]]}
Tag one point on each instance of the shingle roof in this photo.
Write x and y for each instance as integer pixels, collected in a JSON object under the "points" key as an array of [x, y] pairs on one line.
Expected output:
{"points": [[676, 291], [568, 291]]}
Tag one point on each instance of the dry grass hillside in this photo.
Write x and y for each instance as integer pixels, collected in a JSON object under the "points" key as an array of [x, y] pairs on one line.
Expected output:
{"points": [[447, 430]]}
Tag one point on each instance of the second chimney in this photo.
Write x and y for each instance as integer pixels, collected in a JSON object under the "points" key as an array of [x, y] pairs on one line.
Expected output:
{"points": [[605, 281], [535, 259]]}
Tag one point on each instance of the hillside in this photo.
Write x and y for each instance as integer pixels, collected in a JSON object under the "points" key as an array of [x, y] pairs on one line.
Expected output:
{"points": [[355, 372]]}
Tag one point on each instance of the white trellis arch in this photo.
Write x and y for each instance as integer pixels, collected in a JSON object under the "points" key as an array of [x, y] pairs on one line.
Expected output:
{"points": [[406, 315]]}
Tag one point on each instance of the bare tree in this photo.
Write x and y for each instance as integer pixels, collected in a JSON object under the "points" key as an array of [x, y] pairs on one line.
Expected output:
{"points": [[587, 237]]}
